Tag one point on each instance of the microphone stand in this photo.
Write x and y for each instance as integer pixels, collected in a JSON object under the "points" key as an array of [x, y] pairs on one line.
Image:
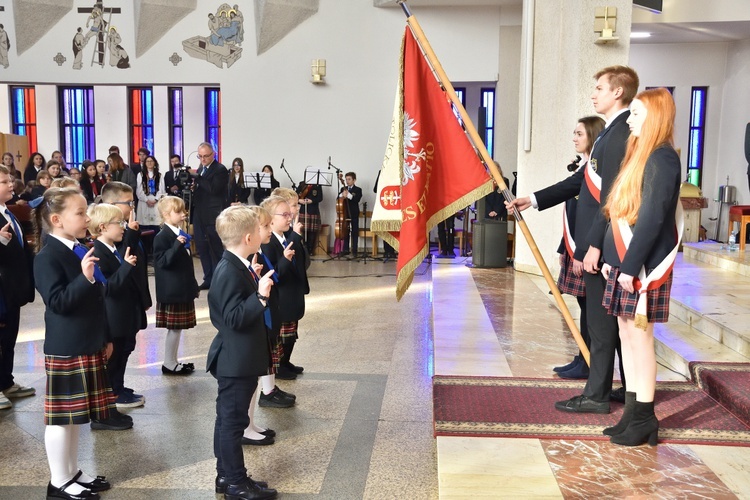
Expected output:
{"points": [[294, 186]]}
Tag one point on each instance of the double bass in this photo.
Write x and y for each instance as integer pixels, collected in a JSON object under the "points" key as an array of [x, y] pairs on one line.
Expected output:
{"points": [[342, 214]]}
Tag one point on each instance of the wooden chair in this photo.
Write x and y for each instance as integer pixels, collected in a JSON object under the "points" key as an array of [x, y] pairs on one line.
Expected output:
{"points": [[24, 216], [741, 214]]}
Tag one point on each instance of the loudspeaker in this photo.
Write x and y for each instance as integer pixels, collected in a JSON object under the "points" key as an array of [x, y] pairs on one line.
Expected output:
{"points": [[747, 143]]}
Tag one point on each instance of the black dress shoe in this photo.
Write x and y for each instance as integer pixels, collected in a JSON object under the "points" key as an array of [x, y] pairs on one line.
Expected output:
{"points": [[563, 368], [293, 368], [285, 373], [112, 423], [267, 440], [204, 286], [582, 404], [180, 369], [269, 433], [617, 395], [55, 492], [277, 399], [285, 394], [97, 485], [249, 490], [116, 415], [578, 371], [221, 484]]}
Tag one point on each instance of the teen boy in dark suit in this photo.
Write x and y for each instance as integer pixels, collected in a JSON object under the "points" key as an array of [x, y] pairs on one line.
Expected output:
{"points": [[353, 195], [239, 353], [616, 86]]}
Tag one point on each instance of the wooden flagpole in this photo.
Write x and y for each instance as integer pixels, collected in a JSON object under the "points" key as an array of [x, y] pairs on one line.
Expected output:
{"points": [[496, 174]]}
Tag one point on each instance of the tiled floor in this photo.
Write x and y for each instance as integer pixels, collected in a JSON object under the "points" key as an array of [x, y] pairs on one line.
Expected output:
{"points": [[362, 427]]}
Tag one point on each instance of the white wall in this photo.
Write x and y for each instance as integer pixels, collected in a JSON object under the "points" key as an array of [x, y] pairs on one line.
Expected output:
{"points": [[684, 66], [270, 109]]}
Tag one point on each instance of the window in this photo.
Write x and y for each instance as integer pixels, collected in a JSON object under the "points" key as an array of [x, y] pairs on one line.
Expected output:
{"points": [[696, 141], [141, 119], [176, 146], [23, 106], [488, 102], [213, 119], [461, 94], [77, 135]]}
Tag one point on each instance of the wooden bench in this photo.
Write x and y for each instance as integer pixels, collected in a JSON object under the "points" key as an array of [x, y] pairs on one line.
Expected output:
{"points": [[741, 214]]}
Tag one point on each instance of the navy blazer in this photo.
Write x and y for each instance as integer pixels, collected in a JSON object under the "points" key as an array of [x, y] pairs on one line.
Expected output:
{"points": [[132, 239], [292, 284], [590, 222], [240, 348], [353, 204], [125, 314], [173, 270], [75, 319], [16, 272], [654, 234], [274, 304]]}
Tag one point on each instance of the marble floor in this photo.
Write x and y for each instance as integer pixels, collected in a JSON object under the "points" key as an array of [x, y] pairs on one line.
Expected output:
{"points": [[362, 427]]}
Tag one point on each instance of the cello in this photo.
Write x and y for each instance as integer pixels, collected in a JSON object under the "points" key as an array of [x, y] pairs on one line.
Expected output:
{"points": [[342, 219]]}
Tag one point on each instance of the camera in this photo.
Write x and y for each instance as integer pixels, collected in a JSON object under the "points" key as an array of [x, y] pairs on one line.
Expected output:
{"points": [[182, 174]]}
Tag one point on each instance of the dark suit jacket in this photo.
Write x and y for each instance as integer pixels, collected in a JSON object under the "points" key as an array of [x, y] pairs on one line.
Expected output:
{"points": [[125, 314], [237, 193], [292, 285], [315, 195], [173, 270], [240, 348], [274, 304], [261, 194], [30, 174], [591, 224], [132, 239], [353, 204], [75, 319], [653, 234], [210, 194], [16, 272]]}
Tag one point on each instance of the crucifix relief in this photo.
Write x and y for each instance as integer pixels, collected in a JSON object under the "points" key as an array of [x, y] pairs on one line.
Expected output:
{"points": [[106, 37]]}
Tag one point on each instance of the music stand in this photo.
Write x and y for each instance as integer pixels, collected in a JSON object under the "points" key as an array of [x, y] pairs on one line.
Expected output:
{"points": [[315, 176], [258, 180]]}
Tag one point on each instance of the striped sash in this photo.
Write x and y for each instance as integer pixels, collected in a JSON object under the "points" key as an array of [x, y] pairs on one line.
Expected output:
{"points": [[593, 181], [642, 283]]}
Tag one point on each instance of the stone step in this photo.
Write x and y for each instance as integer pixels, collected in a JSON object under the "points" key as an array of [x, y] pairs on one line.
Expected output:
{"points": [[712, 300], [710, 252], [677, 344]]}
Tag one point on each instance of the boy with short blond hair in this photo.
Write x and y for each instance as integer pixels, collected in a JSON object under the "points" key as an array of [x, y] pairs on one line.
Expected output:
{"points": [[239, 353]]}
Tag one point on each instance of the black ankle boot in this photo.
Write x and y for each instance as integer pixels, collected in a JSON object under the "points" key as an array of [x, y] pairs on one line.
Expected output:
{"points": [[627, 415], [643, 427]]}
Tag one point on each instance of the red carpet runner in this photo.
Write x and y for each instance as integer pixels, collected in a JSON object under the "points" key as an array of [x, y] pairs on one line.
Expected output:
{"points": [[524, 407]]}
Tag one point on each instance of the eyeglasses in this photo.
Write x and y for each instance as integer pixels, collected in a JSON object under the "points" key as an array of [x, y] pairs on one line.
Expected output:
{"points": [[131, 204], [200, 157], [286, 215], [120, 223]]}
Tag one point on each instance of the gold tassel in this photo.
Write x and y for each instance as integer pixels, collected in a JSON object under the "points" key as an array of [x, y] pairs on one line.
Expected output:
{"points": [[641, 322]]}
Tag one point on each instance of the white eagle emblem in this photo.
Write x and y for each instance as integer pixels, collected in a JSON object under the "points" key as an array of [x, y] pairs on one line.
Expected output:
{"points": [[412, 160]]}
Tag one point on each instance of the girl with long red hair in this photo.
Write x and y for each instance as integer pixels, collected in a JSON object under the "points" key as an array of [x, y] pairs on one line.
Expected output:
{"points": [[639, 249]]}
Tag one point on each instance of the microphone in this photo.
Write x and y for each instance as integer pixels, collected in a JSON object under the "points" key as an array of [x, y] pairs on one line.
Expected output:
{"points": [[282, 163], [574, 164], [329, 163]]}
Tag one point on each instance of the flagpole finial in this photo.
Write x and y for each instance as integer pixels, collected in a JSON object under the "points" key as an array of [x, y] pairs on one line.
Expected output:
{"points": [[405, 7]]}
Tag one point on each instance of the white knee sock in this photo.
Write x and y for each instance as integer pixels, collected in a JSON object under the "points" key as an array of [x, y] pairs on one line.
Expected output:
{"points": [[58, 441], [253, 431], [73, 455], [268, 382], [171, 344]]}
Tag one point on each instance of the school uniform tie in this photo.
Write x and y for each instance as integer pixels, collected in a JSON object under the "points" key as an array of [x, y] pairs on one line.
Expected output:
{"points": [[81, 252], [267, 311], [117, 254], [16, 226], [187, 239], [283, 244], [274, 276]]}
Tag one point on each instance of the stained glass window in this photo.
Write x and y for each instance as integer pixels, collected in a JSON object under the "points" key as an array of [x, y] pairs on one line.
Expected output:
{"points": [[488, 102], [176, 146], [77, 134], [141, 120], [696, 140], [213, 119], [23, 105]]}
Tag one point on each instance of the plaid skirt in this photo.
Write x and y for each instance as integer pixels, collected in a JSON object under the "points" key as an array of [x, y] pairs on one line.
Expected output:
{"points": [[277, 350], [568, 282], [309, 221], [78, 389], [289, 330], [175, 316], [620, 303]]}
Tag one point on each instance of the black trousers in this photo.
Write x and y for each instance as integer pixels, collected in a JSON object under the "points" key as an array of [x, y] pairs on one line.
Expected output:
{"points": [[353, 235], [209, 247], [122, 347], [446, 235], [8, 336], [232, 405], [605, 340], [584, 322]]}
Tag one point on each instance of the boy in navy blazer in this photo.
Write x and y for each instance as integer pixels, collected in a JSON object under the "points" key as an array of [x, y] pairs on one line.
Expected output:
{"points": [[240, 352]]}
